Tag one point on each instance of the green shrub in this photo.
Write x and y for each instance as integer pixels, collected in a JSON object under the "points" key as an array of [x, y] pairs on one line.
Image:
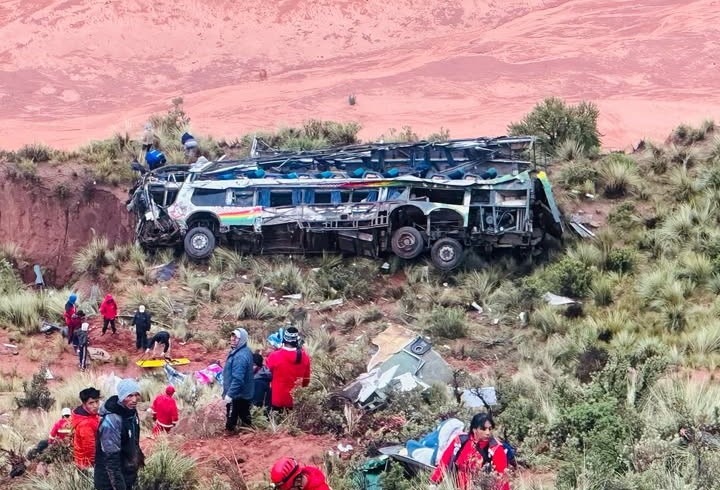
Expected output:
{"points": [[37, 393], [167, 469], [357, 280], [576, 174], [286, 278], [623, 216], [567, 277], [449, 323], [621, 260], [554, 122], [22, 170], [10, 281], [36, 153]]}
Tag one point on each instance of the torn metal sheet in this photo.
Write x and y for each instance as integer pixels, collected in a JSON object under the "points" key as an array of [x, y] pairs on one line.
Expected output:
{"points": [[411, 364], [581, 230], [389, 341], [555, 300]]}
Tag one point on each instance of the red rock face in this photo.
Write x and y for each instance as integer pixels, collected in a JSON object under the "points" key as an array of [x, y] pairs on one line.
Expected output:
{"points": [[78, 70], [50, 230]]}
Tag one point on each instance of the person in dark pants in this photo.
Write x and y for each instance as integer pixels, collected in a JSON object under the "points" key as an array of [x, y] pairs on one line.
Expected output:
{"points": [[263, 376], [81, 341], [118, 457], [238, 382], [162, 337], [109, 311], [142, 323]]}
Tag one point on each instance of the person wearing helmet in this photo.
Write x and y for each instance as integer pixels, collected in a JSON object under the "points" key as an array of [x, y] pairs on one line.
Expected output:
{"points": [[290, 474]]}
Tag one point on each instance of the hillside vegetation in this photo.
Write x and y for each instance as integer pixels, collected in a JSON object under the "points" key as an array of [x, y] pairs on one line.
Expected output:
{"points": [[593, 394]]}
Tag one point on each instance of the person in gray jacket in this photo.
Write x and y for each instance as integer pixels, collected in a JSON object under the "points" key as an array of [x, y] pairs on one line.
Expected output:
{"points": [[118, 456], [238, 381]]}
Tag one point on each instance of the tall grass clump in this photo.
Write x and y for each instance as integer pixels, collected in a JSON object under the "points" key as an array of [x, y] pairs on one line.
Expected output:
{"points": [[448, 323], [36, 152], [285, 278], [167, 469], [602, 290], [62, 477], [93, 257], [619, 175], [227, 262], [256, 306], [23, 309], [479, 285]]}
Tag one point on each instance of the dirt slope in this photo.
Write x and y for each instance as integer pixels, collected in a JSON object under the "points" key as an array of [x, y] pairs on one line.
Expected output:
{"points": [[73, 70], [50, 229]]}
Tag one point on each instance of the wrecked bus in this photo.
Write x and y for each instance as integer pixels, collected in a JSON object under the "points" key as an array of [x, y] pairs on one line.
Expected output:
{"points": [[371, 216]]}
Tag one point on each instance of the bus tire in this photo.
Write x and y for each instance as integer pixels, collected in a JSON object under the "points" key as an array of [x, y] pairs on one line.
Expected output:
{"points": [[407, 242], [199, 243], [446, 254]]}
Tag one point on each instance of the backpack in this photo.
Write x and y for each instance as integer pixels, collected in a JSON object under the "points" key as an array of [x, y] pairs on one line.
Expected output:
{"points": [[485, 453]]}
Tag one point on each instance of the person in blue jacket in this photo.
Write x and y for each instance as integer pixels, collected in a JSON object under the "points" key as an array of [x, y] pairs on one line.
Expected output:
{"points": [[238, 381]]}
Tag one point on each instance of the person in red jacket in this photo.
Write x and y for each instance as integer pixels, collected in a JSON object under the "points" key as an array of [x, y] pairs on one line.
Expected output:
{"points": [[73, 325], [59, 431], [290, 367], [472, 454], [165, 412], [108, 310], [70, 310], [289, 474], [85, 421]]}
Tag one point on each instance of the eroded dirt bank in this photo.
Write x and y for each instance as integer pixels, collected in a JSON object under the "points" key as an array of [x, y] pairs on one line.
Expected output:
{"points": [[52, 222]]}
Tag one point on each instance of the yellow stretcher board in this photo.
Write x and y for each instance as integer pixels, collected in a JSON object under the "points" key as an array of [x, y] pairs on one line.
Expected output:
{"points": [[153, 363]]}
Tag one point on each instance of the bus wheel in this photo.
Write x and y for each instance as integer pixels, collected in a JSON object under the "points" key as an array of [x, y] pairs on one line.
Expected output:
{"points": [[407, 242], [199, 243], [446, 254]]}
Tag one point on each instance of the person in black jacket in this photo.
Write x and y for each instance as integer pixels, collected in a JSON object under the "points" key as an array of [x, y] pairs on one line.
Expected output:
{"points": [[118, 456], [262, 376], [142, 323]]}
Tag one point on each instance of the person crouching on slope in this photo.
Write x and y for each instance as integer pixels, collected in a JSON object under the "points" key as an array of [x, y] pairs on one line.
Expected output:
{"points": [[470, 455], [290, 474], [290, 367], [85, 422]]}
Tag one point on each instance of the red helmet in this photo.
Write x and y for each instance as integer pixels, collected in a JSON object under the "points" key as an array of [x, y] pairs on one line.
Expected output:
{"points": [[284, 472]]}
